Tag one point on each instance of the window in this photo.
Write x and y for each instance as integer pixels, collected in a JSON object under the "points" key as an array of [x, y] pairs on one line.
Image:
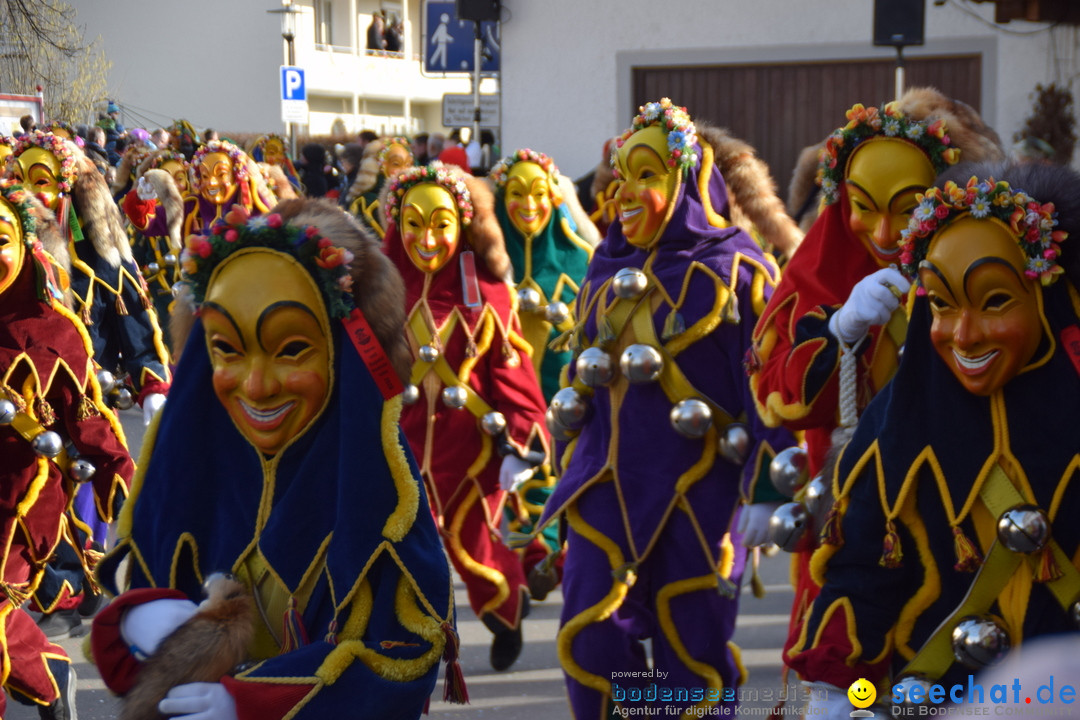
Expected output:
{"points": [[324, 13]]}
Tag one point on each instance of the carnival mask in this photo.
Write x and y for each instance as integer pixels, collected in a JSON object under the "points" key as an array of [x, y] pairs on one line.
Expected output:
{"points": [[179, 173], [274, 152], [884, 176], [270, 346], [398, 157], [37, 170], [217, 183], [528, 198], [430, 227], [647, 186], [987, 315], [5, 152], [12, 249]]}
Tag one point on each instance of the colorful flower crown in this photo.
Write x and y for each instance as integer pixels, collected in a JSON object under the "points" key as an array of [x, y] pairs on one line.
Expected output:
{"points": [[865, 123], [163, 156], [501, 172], [1031, 222], [59, 148], [396, 140], [238, 156], [673, 120], [18, 197], [327, 264], [435, 173]]}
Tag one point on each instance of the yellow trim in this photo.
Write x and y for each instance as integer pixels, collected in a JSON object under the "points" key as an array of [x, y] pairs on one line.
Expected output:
{"points": [[707, 161], [404, 515], [492, 575], [597, 613], [667, 625]]}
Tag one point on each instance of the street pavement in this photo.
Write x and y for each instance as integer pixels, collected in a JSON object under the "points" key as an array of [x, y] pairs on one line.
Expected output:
{"points": [[533, 688]]}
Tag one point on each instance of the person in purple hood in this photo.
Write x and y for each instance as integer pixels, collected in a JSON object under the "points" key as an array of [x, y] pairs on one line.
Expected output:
{"points": [[660, 443]]}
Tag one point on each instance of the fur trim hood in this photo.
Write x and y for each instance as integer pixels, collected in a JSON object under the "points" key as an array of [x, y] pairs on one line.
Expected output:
{"points": [[99, 217], [169, 197]]}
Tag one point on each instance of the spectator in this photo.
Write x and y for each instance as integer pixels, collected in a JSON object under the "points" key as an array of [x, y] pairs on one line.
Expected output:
{"points": [[95, 147], [315, 172], [350, 158], [455, 155], [113, 111], [365, 137], [27, 123], [160, 138], [436, 142], [420, 148], [376, 40], [210, 134], [393, 34]]}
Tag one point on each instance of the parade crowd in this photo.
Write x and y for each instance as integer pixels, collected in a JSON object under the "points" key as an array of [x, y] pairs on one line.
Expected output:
{"points": [[370, 365]]}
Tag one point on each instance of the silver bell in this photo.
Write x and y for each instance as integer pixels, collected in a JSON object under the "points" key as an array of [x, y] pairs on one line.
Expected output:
{"points": [[493, 423], [106, 380], [455, 397], [557, 313], [1024, 528], [789, 470], [789, 527], [979, 641], [429, 353], [47, 443], [818, 496], [595, 367], [8, 411], [908, 683], [122, 399], [81, 470], [691, 418], [153, 268], [170, 259], [410, 394], [557, 429], [570, 409], [734, 443], [528, 300], [629, 283], [641, 363]]}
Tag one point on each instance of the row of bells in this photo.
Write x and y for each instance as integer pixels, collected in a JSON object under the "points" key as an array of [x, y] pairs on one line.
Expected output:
{"points": [[49, 444], [628, 283], [115, 394], [153, 267], [455, 396]]}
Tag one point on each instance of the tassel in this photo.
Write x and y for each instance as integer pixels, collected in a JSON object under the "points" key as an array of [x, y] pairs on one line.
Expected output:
{"points": [[87, 409], [724, 587], [331, 633], [674, 326], [730, 312], [44, 411], [830, 531], [470, 348], [293, 632], [561, 343], [84, 314], [1046, 569], [17, 595], [512, 359], [605, 333], [967, 557], [145, 300], [121, 308], [517, 540], [757, 585], [891, 554], [454, 689]]}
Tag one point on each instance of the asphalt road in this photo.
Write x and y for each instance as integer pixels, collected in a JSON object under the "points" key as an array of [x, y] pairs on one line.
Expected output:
{"points": [[533, 688]]}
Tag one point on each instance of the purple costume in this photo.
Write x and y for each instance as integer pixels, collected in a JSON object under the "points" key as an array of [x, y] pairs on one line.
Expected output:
{"points": [[647, 510]]}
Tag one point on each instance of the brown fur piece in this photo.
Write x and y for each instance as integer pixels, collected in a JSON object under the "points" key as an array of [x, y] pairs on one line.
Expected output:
{"points": [[752, 190], [368, 173], [99, 216], [804, 185], [484, 233], [377, 287], [169, 197], [280, 184], [204, 649]]}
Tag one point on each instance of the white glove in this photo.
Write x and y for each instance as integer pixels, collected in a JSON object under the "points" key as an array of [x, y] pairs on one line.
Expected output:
{"points": [[151, 404], [827, 702], [870, 303], [513, 472], [143, 627], [199, 701], [145, 190], [754, 523]]}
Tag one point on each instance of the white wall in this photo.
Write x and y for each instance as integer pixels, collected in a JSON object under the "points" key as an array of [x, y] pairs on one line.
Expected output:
{"points": [[213, 62], [566, 64]]}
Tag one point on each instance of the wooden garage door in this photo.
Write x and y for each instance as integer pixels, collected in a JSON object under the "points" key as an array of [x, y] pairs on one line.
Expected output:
{"points": [[782, 108]]}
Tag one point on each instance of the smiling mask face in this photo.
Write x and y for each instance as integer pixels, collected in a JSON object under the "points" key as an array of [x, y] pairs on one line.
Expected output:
{"points": [[217, 183], [430, 226], [528, 198], [987, 317], [647, 186], [38, 171], [269, 346], [12, 249]]}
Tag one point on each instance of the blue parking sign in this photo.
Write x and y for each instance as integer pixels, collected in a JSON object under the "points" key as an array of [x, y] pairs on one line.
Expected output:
{"points": [[448, 41], [292, 83]]}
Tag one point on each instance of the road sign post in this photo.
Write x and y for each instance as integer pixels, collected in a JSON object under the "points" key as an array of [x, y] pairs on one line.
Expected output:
{"points": [[294, 105], [449, 42], [457, 110]]}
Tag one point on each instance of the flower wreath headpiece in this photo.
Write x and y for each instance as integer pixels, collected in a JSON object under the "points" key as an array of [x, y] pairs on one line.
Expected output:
{"points": [[434, 173], [19, 198], [864, 123], [501, 172], [1031, 222], [396, 140], [238, 156], [164, 156], [673, 120], [58, 147], [327, 264]]}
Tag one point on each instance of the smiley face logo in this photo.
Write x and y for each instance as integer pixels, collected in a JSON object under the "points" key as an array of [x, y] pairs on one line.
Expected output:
{"points": [[862, 693]]}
